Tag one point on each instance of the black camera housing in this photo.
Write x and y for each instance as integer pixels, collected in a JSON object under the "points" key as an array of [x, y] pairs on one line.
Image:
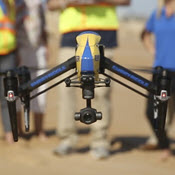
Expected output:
{"points": [[88, 115]]}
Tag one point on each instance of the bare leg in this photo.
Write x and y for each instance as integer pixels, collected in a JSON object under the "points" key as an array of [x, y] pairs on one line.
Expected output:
{"points": [[166, 154], [9, 137]]}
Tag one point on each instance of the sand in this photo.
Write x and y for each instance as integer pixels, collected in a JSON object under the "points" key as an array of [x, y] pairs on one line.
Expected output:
{"points": [[129, 129]]}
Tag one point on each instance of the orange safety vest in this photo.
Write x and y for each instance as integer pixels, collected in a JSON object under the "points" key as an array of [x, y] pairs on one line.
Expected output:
{"points": [[7, 30]]}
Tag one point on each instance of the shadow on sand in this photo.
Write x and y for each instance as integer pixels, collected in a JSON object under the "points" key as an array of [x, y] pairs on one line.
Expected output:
{"points": [[127, 143]]}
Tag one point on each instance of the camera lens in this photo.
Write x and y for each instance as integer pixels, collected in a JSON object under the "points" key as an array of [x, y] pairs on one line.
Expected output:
{"points": [[87, 117]]}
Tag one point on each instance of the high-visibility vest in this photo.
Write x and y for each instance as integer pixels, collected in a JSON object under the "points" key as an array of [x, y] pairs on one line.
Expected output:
{"points": [[7, 30], [97, 17]]}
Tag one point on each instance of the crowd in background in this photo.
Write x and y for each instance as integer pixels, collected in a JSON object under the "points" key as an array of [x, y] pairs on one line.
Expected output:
{"points": [[23, 27]]}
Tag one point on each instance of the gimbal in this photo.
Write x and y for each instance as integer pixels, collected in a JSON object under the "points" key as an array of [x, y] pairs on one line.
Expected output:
{"points": [[89, 62]]}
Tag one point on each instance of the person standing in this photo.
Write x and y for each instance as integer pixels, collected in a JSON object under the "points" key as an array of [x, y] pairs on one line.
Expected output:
{"points": [[77, 16], [161, 24], [32, 52], [9, 20]]}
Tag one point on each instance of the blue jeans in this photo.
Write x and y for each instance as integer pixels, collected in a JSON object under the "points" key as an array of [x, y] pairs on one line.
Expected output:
{"points": [[6, 62]]}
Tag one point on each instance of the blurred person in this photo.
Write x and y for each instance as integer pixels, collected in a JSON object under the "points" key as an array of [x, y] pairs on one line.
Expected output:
{"points": [[77, 16], [32, 53], [10, 18], [161, 24]]}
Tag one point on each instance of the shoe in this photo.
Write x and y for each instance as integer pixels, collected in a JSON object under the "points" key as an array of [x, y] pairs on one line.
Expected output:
{"points": [[149, 147], [63, 149], [100, 153]]}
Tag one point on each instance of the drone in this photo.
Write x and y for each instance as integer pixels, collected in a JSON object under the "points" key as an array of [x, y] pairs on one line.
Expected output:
{"points": [[89, 63]]}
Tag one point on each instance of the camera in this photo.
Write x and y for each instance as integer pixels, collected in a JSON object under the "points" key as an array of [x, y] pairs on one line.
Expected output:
{"points": [[88, 115]]}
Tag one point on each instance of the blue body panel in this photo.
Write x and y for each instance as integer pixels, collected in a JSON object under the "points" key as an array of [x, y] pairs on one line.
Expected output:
{"points": [[87, 64]]}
